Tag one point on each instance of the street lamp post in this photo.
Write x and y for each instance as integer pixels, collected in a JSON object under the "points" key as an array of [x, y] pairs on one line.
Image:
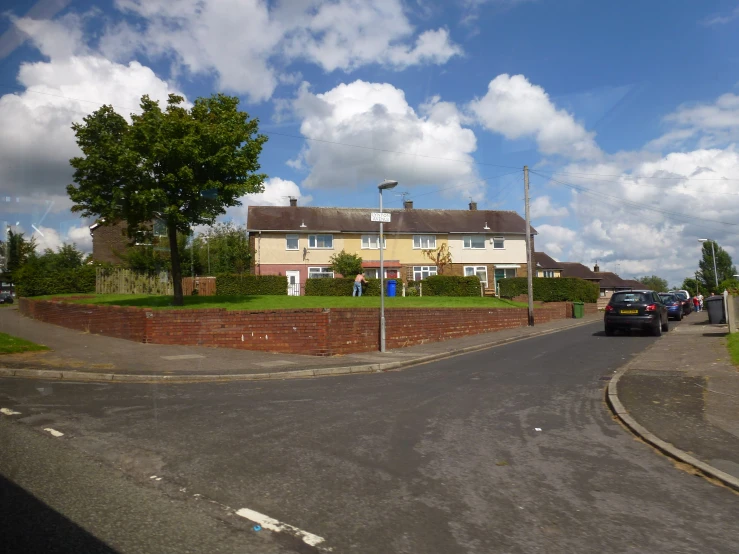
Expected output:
{"points": [[386, 184], [713, 254]]}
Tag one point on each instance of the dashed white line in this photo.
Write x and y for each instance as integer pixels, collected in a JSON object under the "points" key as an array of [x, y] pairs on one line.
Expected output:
{"points": [[277, 526], [8, 411], [54, 432]]}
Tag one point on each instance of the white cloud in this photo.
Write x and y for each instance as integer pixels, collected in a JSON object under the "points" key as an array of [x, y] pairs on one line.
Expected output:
{"points": [[517, 109], [645, 216], [36, 139], [542, 207], [722, 19], [376, 118], [277, 192], [710, 123], [335, 35]]}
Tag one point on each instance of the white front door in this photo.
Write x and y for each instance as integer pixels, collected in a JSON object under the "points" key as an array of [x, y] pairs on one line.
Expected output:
{"points": [[293, 283]]}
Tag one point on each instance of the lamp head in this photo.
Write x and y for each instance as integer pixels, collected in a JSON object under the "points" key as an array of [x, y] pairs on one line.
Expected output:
{"points": [[387, 184]]}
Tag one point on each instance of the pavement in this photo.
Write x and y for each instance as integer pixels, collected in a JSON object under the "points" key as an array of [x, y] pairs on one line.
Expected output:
{"points": [[682, 396], [78, 355]]}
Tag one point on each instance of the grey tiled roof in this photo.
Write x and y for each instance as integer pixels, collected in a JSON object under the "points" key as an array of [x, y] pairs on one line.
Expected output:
{"points": [[306, 219]]}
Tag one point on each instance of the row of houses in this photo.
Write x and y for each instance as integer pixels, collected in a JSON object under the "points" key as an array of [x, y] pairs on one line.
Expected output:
{"points": [[298, 242]]}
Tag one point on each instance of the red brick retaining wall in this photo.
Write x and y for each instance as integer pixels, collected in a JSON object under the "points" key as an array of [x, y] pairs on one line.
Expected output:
{"points": [[319, 332]]}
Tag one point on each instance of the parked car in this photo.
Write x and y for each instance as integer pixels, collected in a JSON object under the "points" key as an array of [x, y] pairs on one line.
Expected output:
{"points": [[6, 298], [636, 309], [686, 300], [674, 305]]}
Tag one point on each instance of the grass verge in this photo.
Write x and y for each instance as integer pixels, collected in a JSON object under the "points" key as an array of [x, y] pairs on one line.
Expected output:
{"points": [[296, 302], [13, 345], [732, 343]]}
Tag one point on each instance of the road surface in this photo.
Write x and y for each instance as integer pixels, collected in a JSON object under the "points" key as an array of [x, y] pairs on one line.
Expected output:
{"points": [[508, 450]]}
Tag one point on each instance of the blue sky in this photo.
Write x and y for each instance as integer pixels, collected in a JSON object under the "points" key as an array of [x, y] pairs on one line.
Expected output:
{"points": [[626, 112]]}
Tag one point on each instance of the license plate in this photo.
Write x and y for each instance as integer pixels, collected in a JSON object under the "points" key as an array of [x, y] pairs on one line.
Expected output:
{"points": [[629, 311]]}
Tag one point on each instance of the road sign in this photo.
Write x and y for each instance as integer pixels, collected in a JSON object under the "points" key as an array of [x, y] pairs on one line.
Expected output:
{"points": [[381, 216]]}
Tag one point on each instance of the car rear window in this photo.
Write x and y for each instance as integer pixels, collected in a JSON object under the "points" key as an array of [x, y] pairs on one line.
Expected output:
{"points": [[681, 295], [631, 297], [668, 298]]}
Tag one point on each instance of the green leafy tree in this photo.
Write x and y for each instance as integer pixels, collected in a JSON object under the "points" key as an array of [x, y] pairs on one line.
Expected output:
{"points": [[181, 166], [654, 282], [223, 248], [724, 266], [19, 249], [348, 265], [693, 286]]}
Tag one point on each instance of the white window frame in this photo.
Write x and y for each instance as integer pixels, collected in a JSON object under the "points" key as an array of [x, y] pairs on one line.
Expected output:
{"points": [[467, 242], [418, 241], [498, 247], [290, 237], [430, 270], [367, 242], [323, 271], [313, 242], [471, 271], [548, 273]]}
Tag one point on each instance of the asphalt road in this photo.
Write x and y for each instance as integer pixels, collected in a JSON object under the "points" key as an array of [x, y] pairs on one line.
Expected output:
{"points": [[509, 450]]}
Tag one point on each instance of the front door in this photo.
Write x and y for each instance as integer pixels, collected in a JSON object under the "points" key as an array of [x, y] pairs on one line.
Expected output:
{"points": [[293, 283]]}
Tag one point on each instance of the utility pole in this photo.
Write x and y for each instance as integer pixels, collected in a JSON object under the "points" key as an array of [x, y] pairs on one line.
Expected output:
{"points": [[529, 253]]}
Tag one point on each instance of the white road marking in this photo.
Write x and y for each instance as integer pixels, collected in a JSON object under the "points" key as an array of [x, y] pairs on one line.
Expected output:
{"points": [[8, 411], [277, 526], [183, 357], [54, 432], [537, 428]]}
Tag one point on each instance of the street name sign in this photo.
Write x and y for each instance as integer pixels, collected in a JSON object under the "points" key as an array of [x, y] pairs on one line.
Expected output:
{"points": [[381, 216]]}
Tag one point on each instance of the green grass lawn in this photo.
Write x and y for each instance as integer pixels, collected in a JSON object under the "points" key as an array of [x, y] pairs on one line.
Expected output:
{"points": [[13, 345], [732, 343], [297, 302]]}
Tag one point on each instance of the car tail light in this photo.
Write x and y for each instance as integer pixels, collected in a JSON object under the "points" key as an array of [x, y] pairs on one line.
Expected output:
{"points": [[652, 308], [609, 308]]}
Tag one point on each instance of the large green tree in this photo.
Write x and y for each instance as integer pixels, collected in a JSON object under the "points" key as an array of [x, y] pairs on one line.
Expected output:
{"points": [[17, 252], [654, 282], [223, 248], [724, 266], [181, 166], [346, 264]]}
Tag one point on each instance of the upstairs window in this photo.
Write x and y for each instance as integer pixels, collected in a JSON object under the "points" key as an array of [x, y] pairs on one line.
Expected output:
{"points": [[321, 241], [372, 242], [292, 242], [427, 242], [498, 243], [474, 241]]}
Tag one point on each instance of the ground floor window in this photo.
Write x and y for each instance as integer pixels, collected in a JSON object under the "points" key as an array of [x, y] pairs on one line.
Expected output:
{"points": [[548, 273], [320, 272], [504, 273], [374, 273], [480, 270], [420, 272]]}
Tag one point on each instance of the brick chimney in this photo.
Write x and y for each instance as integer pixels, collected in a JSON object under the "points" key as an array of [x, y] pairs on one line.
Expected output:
{"points": [[293, 202], [596, 268], [473, 206], [408, 204]]}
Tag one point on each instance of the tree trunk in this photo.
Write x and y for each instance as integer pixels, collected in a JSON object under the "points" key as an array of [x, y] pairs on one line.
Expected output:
{"points": [[174, 256]]}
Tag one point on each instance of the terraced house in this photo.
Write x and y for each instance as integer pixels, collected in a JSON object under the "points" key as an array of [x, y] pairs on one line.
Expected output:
{"points": [[299, 241]]}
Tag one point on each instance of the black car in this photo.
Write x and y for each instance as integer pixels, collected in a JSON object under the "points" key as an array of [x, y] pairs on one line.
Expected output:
{"points": [[636, 309], [6, 298]]}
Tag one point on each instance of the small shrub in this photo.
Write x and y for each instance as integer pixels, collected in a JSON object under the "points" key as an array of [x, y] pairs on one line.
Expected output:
{"points": [[250, 285]]}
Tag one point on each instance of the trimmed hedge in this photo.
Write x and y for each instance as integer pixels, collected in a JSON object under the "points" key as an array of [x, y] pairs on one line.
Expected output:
{"points": [[250, 285], [551, 290], [451, 285], [35, 281], [340, 287]]}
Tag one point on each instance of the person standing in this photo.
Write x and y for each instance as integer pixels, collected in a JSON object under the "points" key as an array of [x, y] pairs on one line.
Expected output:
{"points": [[358, 280], [700, 302], [696, 304]]}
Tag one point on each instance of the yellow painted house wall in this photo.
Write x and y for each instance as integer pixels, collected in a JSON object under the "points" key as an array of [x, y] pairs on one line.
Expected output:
{"points": [[271, 249], [399, 247]]}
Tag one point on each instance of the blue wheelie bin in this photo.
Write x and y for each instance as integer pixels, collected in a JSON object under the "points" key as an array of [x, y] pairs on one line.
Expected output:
{"points": [[392, 287]]}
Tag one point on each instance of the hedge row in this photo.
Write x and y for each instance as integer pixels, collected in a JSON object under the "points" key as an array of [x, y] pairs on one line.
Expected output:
{"points": [[340, 287], [551, 290], [451, 285], [248, 285], [31, 280]]}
